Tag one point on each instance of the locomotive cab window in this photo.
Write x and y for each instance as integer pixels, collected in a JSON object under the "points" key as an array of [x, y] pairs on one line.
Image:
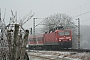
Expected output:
{"points": [[67, 32], [61, 33]]}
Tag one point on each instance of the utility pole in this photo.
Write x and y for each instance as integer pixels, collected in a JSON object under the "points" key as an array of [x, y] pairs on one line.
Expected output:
{"points": [[78, 33], [10, 45], [24, 42], [16, 42], [34, 30], [34, 26]]}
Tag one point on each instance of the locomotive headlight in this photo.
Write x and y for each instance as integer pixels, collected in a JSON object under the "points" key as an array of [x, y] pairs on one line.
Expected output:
{"points": [[70, 39], [60, 40]]}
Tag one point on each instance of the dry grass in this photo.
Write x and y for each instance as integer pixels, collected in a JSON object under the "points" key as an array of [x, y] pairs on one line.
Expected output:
{"points": [[83, 56]]}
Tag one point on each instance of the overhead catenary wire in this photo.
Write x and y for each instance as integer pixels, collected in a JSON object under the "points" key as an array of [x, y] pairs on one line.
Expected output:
{"points": [[77, 7], [85, 20], [82, 14], [39, 23], [72, 10], [73, 17]]}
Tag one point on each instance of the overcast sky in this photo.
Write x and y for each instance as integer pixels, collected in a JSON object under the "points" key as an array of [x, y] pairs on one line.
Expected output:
{"points": [[45, 8]]}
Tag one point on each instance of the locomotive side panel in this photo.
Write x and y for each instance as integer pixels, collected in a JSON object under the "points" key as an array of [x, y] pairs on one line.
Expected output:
{"points": [[49, 39]]}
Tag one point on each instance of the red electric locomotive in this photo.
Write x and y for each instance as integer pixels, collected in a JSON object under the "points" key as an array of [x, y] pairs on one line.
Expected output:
{"points": [[57, 39]]}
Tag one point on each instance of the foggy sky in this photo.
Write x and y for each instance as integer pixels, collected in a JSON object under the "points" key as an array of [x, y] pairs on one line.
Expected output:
{"points": [[45, 8]]}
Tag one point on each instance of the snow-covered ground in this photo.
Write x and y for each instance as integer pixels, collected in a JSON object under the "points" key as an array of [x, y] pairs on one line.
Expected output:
{"points": [[61, 55]]}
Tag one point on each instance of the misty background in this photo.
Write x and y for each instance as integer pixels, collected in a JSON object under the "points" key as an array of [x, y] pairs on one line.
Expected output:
{"points": [[44, 8], [85, 36]]}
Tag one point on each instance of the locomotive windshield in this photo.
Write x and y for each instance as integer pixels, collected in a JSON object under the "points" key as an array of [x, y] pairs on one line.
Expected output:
{"points": [[62, 33], [67, 32]]}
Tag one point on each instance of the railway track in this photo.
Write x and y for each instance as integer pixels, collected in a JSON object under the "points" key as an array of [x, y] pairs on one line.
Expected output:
{"points": [[80, 50], [45, 56], [75, 50], [61, 54], [68, 50]]}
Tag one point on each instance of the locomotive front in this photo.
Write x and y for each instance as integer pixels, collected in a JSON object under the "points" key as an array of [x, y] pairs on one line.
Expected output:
{"points": [[64, 38]]}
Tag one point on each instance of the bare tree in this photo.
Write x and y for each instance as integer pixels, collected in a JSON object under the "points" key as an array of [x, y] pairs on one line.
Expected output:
{"points": [[58, 20]]}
